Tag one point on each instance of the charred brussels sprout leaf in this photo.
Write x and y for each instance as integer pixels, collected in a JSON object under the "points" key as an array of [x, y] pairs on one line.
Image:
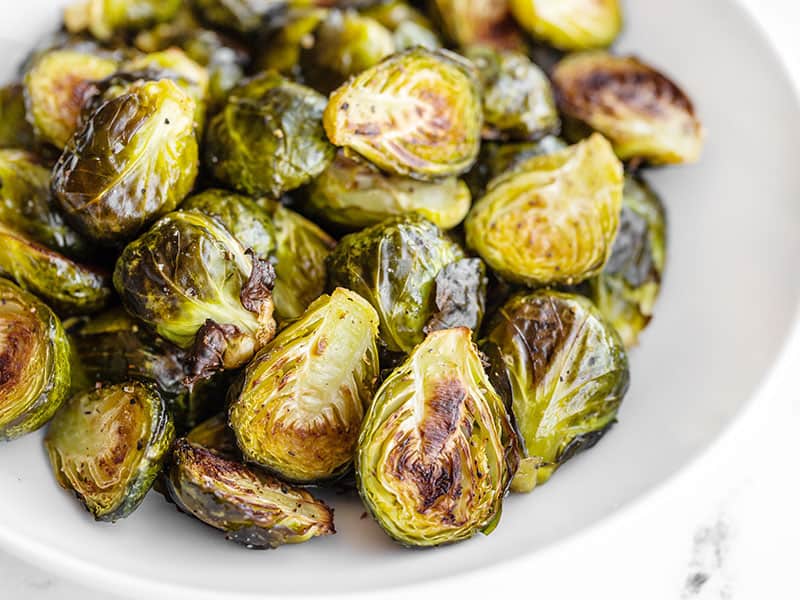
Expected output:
{"points": [[570, 24], [242, 216], [554, 218], [254, 509], [268, 139], [133, 160], [107, 445], [54, 91], [191, 281], [417, 113], [106, 18], [479, 23], [437, 450], [518, 102], [409, 27], [15, 131], [643, 113], [567, 372], [343, 44], [26, 204], [352, 194], [300, 272], [34, 362], [459, 296], [69, 287], [305, 394], [394, 266], [214, 434], [627, 289], [239, 16]]}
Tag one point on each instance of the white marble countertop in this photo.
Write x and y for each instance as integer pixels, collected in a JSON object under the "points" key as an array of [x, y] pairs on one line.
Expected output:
{"points": [[729, 531]]}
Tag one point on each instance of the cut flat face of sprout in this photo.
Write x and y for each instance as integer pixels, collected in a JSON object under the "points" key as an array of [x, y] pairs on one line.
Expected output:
{"points": [[437, 450], [570, 25]]}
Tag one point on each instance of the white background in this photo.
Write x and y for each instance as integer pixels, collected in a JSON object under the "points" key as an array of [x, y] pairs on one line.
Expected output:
{"points": [[729, 531]]}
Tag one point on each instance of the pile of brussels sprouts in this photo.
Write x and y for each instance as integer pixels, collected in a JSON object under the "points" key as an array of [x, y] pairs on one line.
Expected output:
{"points": [[174, 177]]}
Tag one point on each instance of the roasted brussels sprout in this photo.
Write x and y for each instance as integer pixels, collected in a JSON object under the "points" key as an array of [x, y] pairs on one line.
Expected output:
{"points": [[627, 289], [437, 450], [107, 445], [643, 113], [214, 434], [240, 16], [396, 266], [409, 27], [15, 131], [518, 102], [242, 216], [352, 194], [567, 373], [106, 18], [570, 24], [554, 218], [345, 43], [281, 52], [417, 113], [300, 272], [134, 159], [34, 362], [304, 395], [70, 288], [190, 280], [55, 87], [254, 509], [113, 348], [27, 207], [479, 23], [268, 139]]}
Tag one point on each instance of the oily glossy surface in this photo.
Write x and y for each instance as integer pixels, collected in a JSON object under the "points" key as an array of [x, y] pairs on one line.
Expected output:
{"points": [[730, 292]]}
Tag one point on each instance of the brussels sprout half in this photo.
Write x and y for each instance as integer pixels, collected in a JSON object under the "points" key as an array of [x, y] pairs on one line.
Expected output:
{"points": [[418, 113], [566, 370], [304, 395], [409, 27], [133, 160], [55, 89], [107, 445], [254, 509], [15, 131], [479, 23], [352, 194], [34, 362], [268, 138], [570, 24], [554, 218], [239, 16], [190, 280], [643, 113], [106, 18], [437, 450], [627, 289]]}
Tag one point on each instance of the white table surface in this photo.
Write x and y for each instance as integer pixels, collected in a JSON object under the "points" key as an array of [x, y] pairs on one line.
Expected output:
{"points": [[727, 529]]}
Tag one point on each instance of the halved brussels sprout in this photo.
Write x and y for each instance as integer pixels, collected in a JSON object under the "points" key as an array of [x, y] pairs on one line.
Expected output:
{"points": [[240, 16], [254, 509], [417, 113], [570, 24], [243, 217], [518, 102], [26, 204], [34, 362], [409, 27], [113, 348], [15, 131], [554, 218], [281, 52], [396, 266], [106, 18], [627, 289], [268, 139], [643, 113], [304, 395], [133, 160], [55, 89], [215, 435], [437, 450], [352, 194], [190, 280], [566, 371], [344, 43], [69, 287], [479, 23], [107, 445], [300, 271]]}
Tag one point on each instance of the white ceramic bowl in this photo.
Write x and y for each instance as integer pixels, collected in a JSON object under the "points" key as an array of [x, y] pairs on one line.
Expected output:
{"points": [[728, 300]]}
